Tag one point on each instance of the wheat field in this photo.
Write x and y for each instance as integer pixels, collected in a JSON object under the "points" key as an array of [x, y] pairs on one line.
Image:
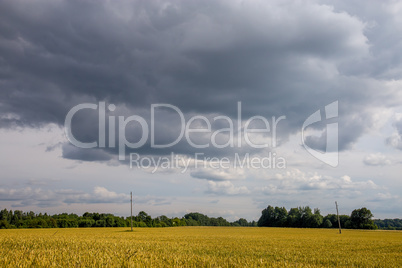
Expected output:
{"points": [[199, 247]]}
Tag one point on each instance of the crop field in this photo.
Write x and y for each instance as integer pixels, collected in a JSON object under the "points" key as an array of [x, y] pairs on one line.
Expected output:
{"points": [[199, 247]]}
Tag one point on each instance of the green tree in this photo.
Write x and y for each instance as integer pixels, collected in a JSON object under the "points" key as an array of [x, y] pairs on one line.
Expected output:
{"points": [[316, 219], [242, 222], [110, 221], [119, 222], [202, 219], [294, 217], [145, 218], [4, 224], [86, 222], [361, 219], [327, 224], [267, 217], [165, 221], [100, 223], [306, 215], [280, 217]]}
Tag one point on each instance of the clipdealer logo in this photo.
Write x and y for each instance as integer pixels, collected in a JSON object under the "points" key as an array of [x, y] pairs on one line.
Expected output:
{"points": [[331, 155], [243, 131]]}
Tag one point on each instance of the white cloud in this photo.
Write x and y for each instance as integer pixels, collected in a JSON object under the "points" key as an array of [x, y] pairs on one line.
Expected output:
{"points": [[395, 140], [295, 181], [99, 195], [383, 196], [377, 159], [222, 174], [226, 188]]}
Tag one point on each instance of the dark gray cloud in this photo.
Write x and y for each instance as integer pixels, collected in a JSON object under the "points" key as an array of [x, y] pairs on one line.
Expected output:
{"points": [[72, 152], [383, 30], [218, 174], [202, 56]]}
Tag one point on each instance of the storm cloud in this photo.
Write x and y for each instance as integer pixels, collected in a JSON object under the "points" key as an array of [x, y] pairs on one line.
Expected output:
{"points": [[272, 59], [203, 57]]}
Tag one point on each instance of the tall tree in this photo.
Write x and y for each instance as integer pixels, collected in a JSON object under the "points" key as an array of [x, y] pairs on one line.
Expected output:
{"points": [[361, 219], [267, 217]]}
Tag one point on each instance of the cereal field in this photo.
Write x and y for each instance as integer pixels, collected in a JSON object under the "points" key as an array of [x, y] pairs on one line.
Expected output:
{"points": [[199, 247]]}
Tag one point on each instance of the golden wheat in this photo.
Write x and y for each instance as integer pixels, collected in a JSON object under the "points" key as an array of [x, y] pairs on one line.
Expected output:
{"points": [[199, 247]]}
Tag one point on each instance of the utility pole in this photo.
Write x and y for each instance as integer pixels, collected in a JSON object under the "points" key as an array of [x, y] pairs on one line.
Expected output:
{"points": [[339, 221], [131, 218]]}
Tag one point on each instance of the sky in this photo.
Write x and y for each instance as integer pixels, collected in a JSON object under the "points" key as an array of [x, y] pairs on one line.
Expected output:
{"points": [[217, 107]]}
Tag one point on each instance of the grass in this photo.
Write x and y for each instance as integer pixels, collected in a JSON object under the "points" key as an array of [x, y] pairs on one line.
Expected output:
{"points": [[199, 247]]}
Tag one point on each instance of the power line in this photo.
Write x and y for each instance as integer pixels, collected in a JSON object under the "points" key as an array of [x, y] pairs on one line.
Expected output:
{"points": [[131, 218], [339, 221]]}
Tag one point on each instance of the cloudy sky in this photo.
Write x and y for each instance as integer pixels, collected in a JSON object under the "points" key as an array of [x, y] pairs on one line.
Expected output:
{"points": [[164, 70]]}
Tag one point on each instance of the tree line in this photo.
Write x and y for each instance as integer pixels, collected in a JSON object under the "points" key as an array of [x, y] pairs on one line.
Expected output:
{"points": [[389, 224], [305, 217], [271, 216], [19, 219]]}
